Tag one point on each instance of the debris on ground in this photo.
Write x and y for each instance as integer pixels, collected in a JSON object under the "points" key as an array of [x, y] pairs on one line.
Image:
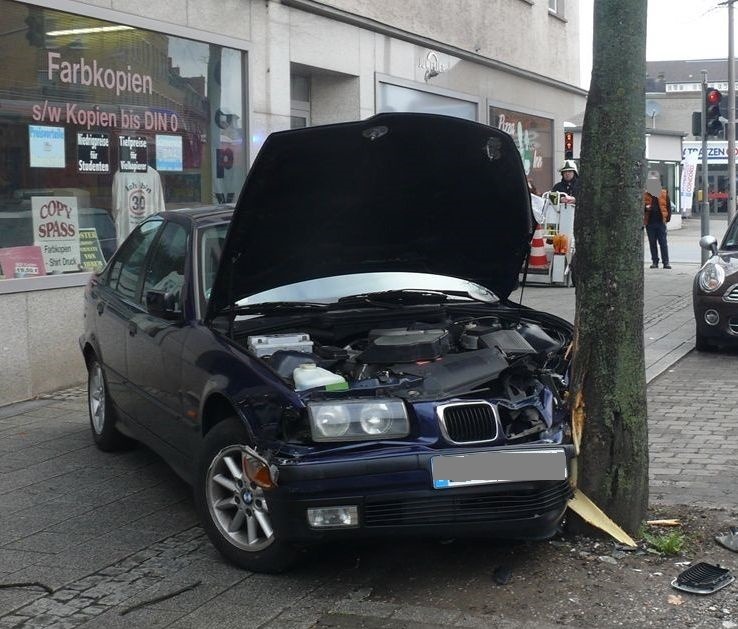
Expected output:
{"points": [[703, 578], [728, 539]]}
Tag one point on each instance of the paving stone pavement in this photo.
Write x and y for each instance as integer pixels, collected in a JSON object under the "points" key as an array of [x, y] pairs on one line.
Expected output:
{"points": [[693, 431], [108, 532], [89, 539], [115, 539]]}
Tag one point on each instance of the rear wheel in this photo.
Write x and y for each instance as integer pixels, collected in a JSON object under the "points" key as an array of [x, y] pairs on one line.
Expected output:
{"points": [[233, 510], [102, 415]]}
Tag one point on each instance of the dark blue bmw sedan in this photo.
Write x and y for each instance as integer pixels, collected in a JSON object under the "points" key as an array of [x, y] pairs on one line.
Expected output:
{"points": [[338, 357]]}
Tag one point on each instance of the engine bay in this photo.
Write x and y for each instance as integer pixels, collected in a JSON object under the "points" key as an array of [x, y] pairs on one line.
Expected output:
{"points": [[421, 359]]}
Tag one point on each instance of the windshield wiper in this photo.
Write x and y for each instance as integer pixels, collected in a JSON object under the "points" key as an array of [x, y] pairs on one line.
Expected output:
{"points": [[269, 307]]}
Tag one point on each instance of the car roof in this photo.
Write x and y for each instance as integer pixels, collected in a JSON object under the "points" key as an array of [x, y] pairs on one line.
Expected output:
{"points": [[201, 215]]}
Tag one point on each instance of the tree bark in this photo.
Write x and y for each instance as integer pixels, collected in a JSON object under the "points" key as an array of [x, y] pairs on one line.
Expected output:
{"points": [[608, 384]]}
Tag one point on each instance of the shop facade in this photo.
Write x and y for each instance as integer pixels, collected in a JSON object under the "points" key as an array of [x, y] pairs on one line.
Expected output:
{"points": [[110, 113], [718, 174]]}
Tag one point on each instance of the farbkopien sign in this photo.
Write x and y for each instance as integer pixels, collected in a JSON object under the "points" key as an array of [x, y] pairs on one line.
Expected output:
{"points": [[56, 232]]}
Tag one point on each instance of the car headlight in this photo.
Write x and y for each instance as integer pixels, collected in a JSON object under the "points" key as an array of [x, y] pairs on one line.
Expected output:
{"points": [[711, 277], [354, 420]]}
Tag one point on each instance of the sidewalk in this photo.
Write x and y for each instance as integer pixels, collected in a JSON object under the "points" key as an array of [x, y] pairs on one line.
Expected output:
{"points": [[668, 319]]}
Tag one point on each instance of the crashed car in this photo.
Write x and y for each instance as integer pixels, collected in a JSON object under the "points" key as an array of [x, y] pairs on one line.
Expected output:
{"points": [[353, 367], [715, 293]]}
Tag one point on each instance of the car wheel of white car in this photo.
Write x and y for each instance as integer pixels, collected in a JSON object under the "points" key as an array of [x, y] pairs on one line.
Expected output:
{"points": [[233, 510], [102, 415]]}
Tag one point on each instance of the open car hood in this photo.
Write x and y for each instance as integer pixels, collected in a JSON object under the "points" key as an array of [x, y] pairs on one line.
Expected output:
{"points": [[396, 192]]}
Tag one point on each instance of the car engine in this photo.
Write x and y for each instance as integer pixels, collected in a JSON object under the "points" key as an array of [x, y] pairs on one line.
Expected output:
{"points": [[425, 360]]}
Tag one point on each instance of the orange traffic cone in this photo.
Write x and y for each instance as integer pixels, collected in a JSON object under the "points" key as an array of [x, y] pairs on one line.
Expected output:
{"points": [[537, 261]]}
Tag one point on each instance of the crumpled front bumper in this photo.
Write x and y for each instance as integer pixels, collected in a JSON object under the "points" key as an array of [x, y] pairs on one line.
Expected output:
{"points": [[395, 496]]}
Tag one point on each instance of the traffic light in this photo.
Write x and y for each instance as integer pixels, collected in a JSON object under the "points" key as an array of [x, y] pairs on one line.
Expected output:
{"points": [[697, 123], [568, 145], [712, 105], [36, 33]]}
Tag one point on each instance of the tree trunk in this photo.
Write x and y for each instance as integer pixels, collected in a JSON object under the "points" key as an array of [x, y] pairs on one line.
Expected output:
{"points": [[609, 384]]}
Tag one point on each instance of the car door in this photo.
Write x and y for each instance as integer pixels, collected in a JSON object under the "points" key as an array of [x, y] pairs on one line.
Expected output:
{"points": [[114, 300], [154, 344]]}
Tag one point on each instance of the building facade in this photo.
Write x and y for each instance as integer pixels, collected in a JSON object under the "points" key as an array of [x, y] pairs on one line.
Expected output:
{"points": [[113, 109]]}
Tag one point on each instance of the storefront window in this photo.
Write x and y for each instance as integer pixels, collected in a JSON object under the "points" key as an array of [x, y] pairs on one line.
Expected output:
{"points": [[400, 98], [103, 124], [533, 136]]}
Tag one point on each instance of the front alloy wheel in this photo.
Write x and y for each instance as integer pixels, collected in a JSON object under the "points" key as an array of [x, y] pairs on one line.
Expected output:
{"points": [[234, 511], [237, 506]]}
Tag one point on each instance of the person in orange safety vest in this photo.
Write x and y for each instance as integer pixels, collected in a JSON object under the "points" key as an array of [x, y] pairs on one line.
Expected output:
{"points": [[656, 214]]}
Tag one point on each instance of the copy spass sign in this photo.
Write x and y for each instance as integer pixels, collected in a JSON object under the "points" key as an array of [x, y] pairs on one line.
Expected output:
{"points": [[56, 232]]}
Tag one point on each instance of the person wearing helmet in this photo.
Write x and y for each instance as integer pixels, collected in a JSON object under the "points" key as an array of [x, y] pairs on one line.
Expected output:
{"points": [[569, 183]]}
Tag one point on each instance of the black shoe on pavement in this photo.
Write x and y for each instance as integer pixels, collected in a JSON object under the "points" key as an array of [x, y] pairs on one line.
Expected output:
{"points": [[667, 266], [655, 265]]}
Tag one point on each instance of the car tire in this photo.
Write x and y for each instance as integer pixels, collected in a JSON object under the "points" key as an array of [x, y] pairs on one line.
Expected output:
{"points": [[102, 413], [701, 344], [233, 511]]}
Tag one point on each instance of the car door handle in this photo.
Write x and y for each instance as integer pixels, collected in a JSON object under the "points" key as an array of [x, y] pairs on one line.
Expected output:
{"points": [[132, 329], [100, 307]]}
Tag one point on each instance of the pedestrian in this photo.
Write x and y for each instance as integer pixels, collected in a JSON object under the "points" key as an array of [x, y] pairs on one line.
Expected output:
{"points": [[569, 183], [656, 214]]}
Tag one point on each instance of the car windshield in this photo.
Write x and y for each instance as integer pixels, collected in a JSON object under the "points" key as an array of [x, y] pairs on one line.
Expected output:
{"points": [[328, 290], [731, 236]]}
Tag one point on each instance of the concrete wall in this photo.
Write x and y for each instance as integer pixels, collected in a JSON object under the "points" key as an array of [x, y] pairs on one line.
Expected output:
{"points": [[675, 112], [224, 17], [531, 38], [39, 351], [666, 148]]}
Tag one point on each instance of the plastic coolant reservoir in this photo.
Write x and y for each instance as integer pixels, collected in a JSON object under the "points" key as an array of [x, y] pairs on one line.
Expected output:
{"points": [[310, 376]]}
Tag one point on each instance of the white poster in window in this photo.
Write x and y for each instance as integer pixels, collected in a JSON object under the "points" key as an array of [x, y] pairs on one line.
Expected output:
{"points": [[168, 152], [56, 232], [46, 146]]}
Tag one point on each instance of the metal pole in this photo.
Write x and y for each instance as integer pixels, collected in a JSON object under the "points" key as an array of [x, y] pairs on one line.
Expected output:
{"points": [[731, 114], [705, 217]]}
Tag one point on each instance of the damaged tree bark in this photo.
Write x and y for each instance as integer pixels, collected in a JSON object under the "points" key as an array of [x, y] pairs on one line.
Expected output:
{"points": [[609, 387]]}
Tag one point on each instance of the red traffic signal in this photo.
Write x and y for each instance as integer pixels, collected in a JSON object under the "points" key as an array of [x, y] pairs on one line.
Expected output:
{"points": [[713, 125], [714, 96], [568, 145]]}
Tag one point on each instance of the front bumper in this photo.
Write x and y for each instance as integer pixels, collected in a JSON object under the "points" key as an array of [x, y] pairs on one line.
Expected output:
{"points": [[727, 327], [395, 497]]}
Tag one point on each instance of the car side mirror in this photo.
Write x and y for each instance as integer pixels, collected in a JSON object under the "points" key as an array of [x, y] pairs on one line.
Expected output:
{"points": [[709, 243], [162, 304]]}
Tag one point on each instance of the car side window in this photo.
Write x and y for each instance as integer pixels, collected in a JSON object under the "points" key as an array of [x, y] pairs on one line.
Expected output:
{"points": [[127, 266], [166, 267]]}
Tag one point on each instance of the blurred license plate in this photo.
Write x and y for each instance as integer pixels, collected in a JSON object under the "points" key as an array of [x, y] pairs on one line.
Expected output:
{"points": [[502, 466]]}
